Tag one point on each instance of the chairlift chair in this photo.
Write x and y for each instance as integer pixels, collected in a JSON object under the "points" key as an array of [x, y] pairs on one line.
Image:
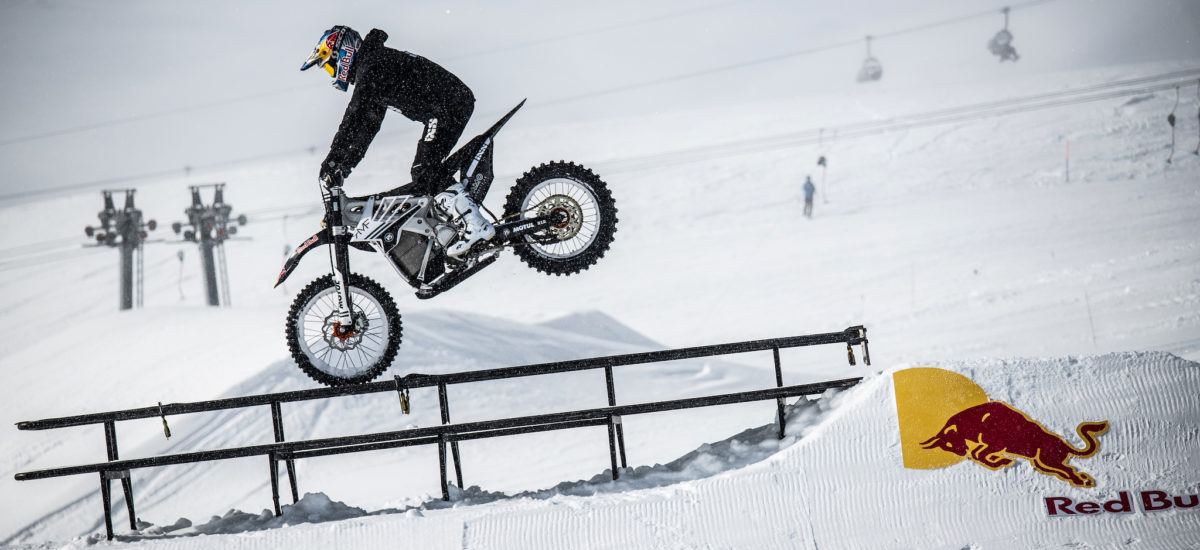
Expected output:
{"points": [[872, 69], [1001, 44]]}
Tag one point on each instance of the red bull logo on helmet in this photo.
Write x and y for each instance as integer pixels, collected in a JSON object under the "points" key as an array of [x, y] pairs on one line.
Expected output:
{"points": [[946, 418], [344, 62]]}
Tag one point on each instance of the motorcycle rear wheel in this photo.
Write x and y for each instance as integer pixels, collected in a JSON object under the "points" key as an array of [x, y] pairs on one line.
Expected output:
{"points": [[334, 355], [591, 217]]}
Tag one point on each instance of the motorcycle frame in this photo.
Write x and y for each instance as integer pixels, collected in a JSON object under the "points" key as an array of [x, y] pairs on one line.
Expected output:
{"points": [[380, 220]]}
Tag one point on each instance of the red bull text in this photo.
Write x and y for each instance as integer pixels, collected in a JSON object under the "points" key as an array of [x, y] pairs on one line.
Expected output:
{"points": [[1147, 501]]}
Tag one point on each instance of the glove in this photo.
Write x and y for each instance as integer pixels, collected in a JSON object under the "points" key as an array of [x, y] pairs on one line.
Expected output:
{"points": [[332, 175]]}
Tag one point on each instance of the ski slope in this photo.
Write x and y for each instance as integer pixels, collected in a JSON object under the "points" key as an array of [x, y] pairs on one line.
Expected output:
{"points": [[957, 246]]}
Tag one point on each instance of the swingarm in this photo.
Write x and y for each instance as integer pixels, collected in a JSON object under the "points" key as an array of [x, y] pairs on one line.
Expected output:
{"points": [[510, 231]]}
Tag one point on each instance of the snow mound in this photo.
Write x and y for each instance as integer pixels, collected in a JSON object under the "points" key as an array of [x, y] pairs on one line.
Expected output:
{"points": [[813, 495], [312, 508], [597, 324]]}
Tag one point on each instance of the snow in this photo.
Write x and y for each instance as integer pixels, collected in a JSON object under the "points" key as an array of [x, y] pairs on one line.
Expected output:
{"points": [[740, 450], [835, 481], [962, 247]]}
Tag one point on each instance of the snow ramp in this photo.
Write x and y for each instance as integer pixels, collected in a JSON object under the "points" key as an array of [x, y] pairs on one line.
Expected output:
{"points": [[845, 484], [857, 478]]}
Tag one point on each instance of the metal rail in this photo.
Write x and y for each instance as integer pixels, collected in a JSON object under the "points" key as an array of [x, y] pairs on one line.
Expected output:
{"points": [[851, 336], [418, 436], [445, 435]]}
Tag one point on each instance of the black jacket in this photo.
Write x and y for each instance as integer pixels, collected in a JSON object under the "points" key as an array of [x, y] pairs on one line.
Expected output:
{"points": [[382, 77]]}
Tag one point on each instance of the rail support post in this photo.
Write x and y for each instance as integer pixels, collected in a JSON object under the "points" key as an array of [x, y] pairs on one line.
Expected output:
{"points": [[612, 402], [274, 462], [106, 478], [110, 447], [277, 424], [106, 500], [613, 422], [127, 488], [779, 403], [291, 472], [442, 467], [444, 404]]}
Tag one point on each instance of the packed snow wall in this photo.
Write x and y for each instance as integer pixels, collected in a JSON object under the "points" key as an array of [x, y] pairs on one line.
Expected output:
{"points": [[1024, 478]]}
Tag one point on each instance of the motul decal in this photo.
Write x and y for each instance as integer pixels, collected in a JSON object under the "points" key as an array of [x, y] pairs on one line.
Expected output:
{"points": [[946, 418]]}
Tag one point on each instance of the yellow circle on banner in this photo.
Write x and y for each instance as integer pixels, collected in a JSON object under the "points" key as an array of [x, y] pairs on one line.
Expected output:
{"points": [[925, 399]]}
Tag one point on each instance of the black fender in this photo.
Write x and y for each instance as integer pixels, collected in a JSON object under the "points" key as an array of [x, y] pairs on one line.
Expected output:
{"points": [[322, 237]]}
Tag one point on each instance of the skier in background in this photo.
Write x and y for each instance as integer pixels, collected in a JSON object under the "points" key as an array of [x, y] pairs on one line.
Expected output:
{"points": [[419, 89], [809, 191]]}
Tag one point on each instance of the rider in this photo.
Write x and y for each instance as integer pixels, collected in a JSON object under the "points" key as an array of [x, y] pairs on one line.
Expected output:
{"points": [[419, 89]]}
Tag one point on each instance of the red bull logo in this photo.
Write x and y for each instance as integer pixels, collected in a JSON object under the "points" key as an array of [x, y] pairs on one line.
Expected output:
{"points": [[294, 257], [303, 246], [344, 62], [994, 433], [946, 418]]}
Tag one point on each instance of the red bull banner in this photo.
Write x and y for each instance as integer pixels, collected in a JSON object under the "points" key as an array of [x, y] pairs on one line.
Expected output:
{"points": [[945, 418]]}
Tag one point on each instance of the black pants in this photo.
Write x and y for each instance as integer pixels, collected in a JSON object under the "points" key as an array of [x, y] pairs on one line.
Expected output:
{"points": [[437, 142]]}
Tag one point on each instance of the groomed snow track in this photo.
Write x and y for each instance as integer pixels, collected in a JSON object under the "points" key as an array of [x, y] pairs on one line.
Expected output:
{"points": [[444, 435]]}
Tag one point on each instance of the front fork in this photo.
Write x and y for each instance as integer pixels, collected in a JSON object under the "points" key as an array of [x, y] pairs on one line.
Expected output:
{"points": [[340, 258]]}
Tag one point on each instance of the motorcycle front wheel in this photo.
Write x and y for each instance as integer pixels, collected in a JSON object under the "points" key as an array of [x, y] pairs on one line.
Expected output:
{"points": [[336, 355]]}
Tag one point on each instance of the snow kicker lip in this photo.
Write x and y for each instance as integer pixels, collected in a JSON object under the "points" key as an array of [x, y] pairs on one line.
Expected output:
{"points": [[990, 433]]}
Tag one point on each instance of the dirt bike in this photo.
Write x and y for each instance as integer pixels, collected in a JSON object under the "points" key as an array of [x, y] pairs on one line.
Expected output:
{"points": [[344, 328]]}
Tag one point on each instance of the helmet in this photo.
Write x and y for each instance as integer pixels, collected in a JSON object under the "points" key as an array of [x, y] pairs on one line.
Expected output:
{"points": [[335, 53]]}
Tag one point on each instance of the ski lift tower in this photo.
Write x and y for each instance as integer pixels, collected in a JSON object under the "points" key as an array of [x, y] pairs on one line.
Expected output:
{"points": [[126, 230], [209, 226]]}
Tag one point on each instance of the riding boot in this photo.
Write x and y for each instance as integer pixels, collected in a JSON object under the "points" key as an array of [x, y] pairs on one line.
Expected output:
{"points": [[457, 202]]}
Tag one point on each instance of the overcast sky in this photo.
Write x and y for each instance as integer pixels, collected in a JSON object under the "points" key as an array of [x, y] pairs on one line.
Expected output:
{"points": [[109, 90]]}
